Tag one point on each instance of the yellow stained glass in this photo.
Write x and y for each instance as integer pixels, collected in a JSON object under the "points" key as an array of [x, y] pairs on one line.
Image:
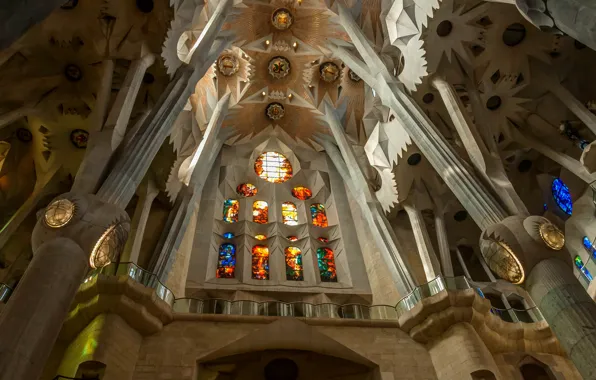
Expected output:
{"points": [[260, 212], [273, 167], [289, 213], [302, 193], [260, 262], [260, 237]]}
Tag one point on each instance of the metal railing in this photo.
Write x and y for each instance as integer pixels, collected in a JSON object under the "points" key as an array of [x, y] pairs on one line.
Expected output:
{"points": [[430, 289], [284, 309], [5, 292], [138, 274], [514, 315]]}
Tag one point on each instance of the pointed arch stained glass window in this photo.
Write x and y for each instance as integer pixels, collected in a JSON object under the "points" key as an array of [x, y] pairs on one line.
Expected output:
{"points": [[260, 262], [562, 196], [230, 210], [226, 264], [260, 212], [289, 213], [273, 167], [294, 269], [326, 263], [318, 215]]}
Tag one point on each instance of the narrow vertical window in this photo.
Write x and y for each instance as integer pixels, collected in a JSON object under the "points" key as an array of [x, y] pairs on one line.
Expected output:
{"points": [[260, 212], [260, 262], [289, 213], [226, 264], [294, 271], [326, 262], [230, 210], [318, 215]]}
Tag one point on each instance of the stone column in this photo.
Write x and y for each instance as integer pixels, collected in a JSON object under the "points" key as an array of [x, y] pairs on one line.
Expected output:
{"points": [[14, 115], [574, 105], [29, 326], [139, 221], [130, 169], [348, 167], [105, 140], [468, 189], [193, 173], [463, 264], [487, 164], [443, 244], [423, 242], [568, 309]]}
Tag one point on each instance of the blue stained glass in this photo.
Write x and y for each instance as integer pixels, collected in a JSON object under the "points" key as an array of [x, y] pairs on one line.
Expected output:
{"points": [[226, 264], [228, 235], [562, 196], [589, 246], [580, 265]]}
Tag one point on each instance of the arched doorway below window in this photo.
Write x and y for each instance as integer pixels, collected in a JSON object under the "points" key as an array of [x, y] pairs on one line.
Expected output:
{"points": [[483, 374], [533, 371]]}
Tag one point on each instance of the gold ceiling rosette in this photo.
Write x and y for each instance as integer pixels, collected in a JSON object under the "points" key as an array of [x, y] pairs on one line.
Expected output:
{"points": [[228, 65], [279, 67], [275, 111], [329, 72], [282, 19]]}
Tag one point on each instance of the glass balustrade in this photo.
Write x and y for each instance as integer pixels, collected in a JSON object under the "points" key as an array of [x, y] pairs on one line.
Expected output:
{"points": [[5, 292]]}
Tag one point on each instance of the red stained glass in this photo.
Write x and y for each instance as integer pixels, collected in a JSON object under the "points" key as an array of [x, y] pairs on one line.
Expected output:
{"points": [[273, 167], [260, 262], [294, 269], [260, 212], [292, 238], [230, 211], [247, 190], [326, 263], [323, 240], [302, 193], [318, 215]]}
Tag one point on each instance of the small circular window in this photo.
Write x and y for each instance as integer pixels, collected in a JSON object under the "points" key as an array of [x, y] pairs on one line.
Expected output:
{"points": [[273, 167]]}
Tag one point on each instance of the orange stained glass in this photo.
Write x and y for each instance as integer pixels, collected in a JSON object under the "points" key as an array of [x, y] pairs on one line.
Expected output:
{"points": [[260, 212], [294, 270], [323, 240], [260, 237], [260, 262], [273, 167], [289, 213], [230, 210], [318, 215], [326, 263], [247, 190], [292, 238], [302, 193]]}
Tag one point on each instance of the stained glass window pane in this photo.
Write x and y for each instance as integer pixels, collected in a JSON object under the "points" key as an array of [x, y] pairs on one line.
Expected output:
{"points": [[302, 193], [323, 240], [562, 196], [273, 167], [289, 213], [326, 262], [589, 246], [247, 190], [260, 237], [260, 212], [228, 235], [230, 210], [260, 262], [580, 265], [226, 263], [292, 238], [294, 270], [318, 215]]}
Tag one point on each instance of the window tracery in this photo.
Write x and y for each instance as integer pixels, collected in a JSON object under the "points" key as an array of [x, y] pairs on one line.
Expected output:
{"points": [[260, 212], [326, 263], [260, 262], [230, 210], [294, 268], [273, 167], [289, 213], [318, 215], [226, 264]]}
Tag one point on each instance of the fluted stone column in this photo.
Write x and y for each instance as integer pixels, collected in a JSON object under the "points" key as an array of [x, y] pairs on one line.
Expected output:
{"points": [[443, 243], [130, 169], [139, 221], [469, 190], [105, 140], [194, 173], [423, 242], [569, 311], [462, 262], [348, 167], [488, 164]]}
